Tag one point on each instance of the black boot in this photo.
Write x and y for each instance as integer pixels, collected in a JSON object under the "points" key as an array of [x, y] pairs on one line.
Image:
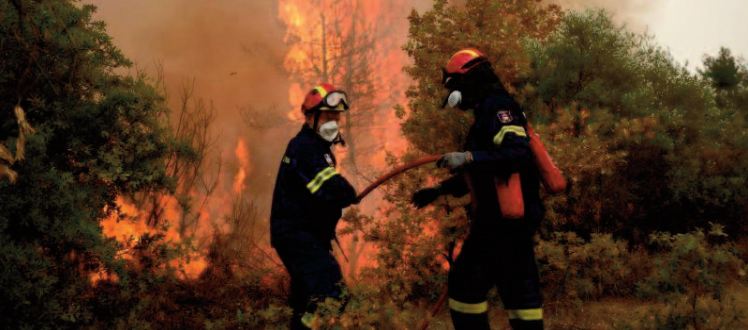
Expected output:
{"points": [[469, 321]]}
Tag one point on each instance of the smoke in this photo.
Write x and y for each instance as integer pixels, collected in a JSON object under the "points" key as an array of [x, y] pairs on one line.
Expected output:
{"points": [[636, 14], [233, 51]]}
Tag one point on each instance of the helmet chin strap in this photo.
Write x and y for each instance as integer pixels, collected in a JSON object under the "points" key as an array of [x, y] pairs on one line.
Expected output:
{"points": [[339, 139], [317, 113]]}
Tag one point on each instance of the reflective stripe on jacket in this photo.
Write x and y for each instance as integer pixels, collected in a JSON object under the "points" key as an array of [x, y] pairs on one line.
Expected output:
{"points": [[309, 192]]}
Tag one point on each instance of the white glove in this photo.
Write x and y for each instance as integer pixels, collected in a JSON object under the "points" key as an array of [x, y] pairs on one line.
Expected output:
{"points": [[455, 160]]}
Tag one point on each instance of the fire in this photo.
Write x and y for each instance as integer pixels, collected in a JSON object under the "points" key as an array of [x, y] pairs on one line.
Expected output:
{"points": [[126, 228], [292, 13], [249, 42], [242, 155], [130, 225], [295, 98]]}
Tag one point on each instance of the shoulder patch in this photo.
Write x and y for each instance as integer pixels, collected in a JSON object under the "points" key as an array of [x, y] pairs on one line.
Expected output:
{"points": [[504, 116], [328, 159]]}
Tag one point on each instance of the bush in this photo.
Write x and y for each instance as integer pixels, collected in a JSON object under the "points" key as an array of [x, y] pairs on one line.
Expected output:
{"points": [[691, 274], [572, 270], [690, 264]]}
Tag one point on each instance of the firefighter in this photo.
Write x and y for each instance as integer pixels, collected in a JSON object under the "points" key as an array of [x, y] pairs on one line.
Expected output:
{"points": [[498, 250], [308, 200]]}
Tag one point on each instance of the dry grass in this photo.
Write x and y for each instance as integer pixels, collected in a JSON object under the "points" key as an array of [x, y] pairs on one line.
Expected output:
{"points": [[620, 313], [612, 313]]}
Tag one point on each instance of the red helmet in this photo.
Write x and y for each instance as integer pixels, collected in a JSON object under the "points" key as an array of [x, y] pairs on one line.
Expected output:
{"points": [[325, 97], [464, 60]]}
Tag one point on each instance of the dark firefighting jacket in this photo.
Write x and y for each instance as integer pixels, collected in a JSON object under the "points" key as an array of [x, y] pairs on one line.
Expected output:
{"points": [[309, 193], [499, 143]]}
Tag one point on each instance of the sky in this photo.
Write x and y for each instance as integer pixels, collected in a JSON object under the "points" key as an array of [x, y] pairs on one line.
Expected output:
{"points": [[687, 28], [691, 28]]}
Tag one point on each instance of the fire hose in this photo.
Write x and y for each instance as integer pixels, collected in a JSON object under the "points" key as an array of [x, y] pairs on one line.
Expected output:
{"points": [[397, 171], [384, 178]]}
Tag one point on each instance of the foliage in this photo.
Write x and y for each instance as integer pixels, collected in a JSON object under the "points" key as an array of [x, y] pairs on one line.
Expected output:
{"points": [[692, 265], [497, 28], [707, 313], [692, 273], [654, 153], [642, 139], [98, 135], [572, 269], [241, 287]]}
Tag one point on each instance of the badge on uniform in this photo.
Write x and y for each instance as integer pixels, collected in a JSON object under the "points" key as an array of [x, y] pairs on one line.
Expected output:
{"points": [[328, 158], [505, 116]]}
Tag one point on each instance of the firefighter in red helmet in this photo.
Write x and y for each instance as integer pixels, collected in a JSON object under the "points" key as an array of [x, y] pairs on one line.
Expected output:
{"points": [[308, 200], [498, 250]]}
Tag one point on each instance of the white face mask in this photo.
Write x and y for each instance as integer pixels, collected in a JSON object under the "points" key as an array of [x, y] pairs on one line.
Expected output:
{"points": [[454, 99], [329, 130]]}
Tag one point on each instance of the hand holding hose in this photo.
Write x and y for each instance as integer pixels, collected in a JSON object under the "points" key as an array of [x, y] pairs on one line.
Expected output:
{"points": [[455, 160], [425, 196]]}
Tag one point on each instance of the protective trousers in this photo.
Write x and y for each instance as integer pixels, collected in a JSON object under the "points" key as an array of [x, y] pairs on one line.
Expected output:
{"points": [[500, 253], [315, 276]]}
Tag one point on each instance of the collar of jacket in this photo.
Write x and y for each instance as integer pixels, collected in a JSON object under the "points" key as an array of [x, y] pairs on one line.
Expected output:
{"points": [[497, 92]]}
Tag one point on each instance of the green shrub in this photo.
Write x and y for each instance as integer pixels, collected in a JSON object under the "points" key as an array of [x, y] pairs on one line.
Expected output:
{"points": [[572, 269], [692, 273], [690, 264]]}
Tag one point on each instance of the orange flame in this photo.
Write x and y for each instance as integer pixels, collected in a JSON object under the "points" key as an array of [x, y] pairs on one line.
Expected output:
{"points": [[124, 229], [295, 98], [130, 225], [242, 155]]}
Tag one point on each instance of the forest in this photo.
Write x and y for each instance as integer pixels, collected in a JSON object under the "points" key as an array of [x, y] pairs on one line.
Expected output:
{"points": [[116, 210]]}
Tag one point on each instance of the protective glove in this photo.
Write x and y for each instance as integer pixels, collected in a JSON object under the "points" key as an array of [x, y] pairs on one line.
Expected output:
{"points": [[455, 160], [425, 196]]}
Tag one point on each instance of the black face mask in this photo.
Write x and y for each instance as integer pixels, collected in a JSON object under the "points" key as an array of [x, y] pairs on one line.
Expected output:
{"points": [[461, 93], [467, 90]]}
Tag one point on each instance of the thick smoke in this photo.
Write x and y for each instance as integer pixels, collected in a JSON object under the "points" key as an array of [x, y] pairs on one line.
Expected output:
{"points": [[233, 51]]}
